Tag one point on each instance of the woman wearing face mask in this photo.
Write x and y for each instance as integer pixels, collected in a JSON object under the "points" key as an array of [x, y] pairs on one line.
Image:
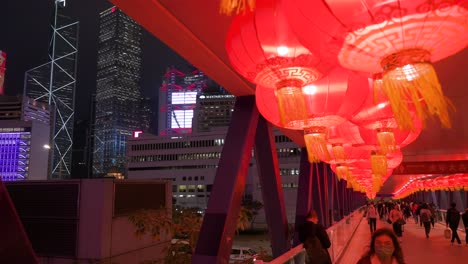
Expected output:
{"points": [[384, 249]]}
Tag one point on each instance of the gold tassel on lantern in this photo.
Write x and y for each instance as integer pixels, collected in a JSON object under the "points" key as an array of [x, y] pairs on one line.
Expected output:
{"points": [[227, 7], [291, 104], [386, 139], [342, 171], [409, 79], [378, 164], [376, 182], [339, 152], [316, 144]]}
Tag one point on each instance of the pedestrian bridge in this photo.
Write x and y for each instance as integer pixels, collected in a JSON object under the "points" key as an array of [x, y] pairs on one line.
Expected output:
{"points": [[416, 247]]}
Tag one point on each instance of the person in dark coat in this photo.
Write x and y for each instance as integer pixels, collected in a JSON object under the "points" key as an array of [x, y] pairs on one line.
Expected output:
{"points": [[452, 221], [465, 224], [309, 232], [384, 248]]}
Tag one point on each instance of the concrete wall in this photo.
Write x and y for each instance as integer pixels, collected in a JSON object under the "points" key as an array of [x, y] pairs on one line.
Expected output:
{"points": [[104, 237]]}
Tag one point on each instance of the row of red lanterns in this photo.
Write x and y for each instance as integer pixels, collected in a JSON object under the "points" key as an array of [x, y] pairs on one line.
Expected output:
{"points": [[455, 182], [311, 61]]}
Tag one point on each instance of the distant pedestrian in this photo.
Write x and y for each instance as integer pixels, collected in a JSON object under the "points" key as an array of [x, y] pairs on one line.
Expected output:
{"points": [[465, 224], [425, 217], [433, 212], [384, 248], [315, 239], [452, 221], [414, 210], [396, 215], [371, 213]]}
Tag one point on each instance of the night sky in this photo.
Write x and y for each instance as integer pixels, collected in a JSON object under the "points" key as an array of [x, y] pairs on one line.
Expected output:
{"points": [[25, 35]]}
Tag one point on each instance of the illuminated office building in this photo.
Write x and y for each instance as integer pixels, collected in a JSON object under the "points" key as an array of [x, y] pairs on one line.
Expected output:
{"points": [[24, 139], [177, 100], [118, 91], [54, 83], [190, 160], [213, 110]]}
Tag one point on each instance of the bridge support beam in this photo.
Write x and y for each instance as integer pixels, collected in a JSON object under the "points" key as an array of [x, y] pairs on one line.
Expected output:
{"points": [[220, 220], [272, 191]]}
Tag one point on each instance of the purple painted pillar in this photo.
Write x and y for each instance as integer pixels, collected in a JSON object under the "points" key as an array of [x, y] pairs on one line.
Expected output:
{"points": [[14, 243], [327, 195], [344, 192], [335, 198], [219, 223], [340, 203], [438, 197], [304, 193], [272, 191], [318, 191], [352, 200]]}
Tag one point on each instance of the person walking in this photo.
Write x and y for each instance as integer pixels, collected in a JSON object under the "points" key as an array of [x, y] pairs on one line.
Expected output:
{"points": [[394, 217], [414, 210], [384, 248], [452, 221], [315, 239], [465, 224], [372, 217], [425, 216], [433, 212]]}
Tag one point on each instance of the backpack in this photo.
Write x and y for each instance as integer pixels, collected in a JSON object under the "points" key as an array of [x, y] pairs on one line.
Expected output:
{"points": [[315, 252], [425, 217]]}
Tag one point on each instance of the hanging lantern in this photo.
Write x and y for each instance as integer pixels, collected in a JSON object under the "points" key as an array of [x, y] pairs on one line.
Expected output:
{"points": [[341, 171], [399, 39], [339, 152], [316, 143], [329, 102], [379, 127], [262, 48], [229, 7], [378, 163]]}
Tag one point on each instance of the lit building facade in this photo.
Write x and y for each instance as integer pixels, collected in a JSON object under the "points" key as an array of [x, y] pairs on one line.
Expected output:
{"points": [[214, 109], [54, 83], [24, 139], [177, 100], [118, 90], [2, 71], [190, 161]]}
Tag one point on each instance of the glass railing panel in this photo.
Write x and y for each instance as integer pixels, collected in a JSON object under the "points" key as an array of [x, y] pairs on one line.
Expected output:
{"points": [[340, 234]]}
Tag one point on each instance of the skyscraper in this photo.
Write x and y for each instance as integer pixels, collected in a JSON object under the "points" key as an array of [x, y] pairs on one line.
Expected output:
{"points": [[177, 100], [54, 83], [118, 90]]}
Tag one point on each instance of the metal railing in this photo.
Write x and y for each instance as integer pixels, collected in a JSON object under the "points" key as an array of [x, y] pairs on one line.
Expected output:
{"points": [[441, 217], [340, 234]]}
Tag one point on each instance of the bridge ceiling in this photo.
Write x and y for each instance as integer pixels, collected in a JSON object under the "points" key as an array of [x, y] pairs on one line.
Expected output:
{"points": [[196, 31]]}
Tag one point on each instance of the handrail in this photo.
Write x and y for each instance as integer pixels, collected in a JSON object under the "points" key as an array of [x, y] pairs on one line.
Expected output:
{"points": [[295, 255], [442, 216], [339, 233]]}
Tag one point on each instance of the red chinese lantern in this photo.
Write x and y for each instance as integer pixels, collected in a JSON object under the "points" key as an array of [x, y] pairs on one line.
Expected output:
{"points": [[377, 126], [329, 102], [398, 38], [263, 49]]}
